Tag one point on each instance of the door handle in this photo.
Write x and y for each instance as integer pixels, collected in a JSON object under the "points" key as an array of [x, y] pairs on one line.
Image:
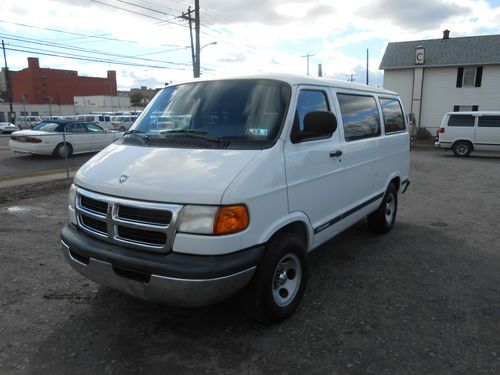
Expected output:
{"points": [[335, 154]]}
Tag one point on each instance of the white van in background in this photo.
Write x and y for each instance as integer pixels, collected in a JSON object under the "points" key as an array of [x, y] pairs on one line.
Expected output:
{"points": [[122, 122], [464, 132], [250, 175], [100, 119], [27, 122]]}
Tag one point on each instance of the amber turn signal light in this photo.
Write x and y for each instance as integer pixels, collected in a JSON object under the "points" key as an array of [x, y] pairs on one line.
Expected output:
{"points": [[230, 219]]}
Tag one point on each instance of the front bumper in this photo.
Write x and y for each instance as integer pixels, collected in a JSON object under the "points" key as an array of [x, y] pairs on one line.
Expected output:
{"points": [[173, 278]]}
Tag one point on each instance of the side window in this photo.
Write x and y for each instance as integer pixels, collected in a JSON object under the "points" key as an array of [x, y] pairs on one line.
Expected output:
{"points": [[101, 118], [461, 120], [89, 118], [94, 128], [75, 128], [489, 122], [308, 101], [393, 115], [360, 116]]}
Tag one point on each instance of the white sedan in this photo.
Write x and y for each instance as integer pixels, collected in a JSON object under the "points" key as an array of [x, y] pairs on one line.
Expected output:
{"points": [[7, 128], [62, 138]]}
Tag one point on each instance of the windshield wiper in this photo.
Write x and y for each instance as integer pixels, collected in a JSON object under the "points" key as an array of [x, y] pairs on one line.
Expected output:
{"points": [[191, 133]]}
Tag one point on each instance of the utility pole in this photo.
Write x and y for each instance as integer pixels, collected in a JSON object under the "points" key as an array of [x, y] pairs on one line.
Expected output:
{"points": [[195, 45], [9, 86], [307, 56], [367, 55], [197, 32], [351, 77]]}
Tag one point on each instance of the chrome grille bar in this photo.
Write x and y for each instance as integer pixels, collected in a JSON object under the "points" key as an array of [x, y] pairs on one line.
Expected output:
{"points": [[90, 221]]}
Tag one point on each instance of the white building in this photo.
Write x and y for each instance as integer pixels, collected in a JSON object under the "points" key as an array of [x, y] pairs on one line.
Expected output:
{"points": [[441, 75]]}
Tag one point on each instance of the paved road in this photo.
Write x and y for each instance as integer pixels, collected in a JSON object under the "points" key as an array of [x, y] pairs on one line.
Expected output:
{"points": [[12, 164], [423, 299]]}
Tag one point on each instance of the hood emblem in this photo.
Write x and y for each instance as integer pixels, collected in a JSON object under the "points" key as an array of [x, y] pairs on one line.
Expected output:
{"points": [[123, 178]]}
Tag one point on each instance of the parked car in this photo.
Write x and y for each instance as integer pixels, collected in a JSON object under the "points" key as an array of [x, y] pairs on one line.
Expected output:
{"points": [[62, 138], [267, 169], [465, 132], [7, 128]]}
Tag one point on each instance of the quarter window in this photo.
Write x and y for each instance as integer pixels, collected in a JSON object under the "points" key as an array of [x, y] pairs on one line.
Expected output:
{"points": [[360, 116], [461, 120], [489, 122], [393, 115]]}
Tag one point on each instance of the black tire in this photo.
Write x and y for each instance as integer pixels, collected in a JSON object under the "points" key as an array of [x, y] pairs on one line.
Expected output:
{"points": [[122, 128], [462, 149], [382, 220], [60, 150], [283, 268]]}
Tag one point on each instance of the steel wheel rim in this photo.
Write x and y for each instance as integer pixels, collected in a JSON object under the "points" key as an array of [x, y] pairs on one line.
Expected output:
{"points": [[390, 207], [287, 279], [462, 149]]}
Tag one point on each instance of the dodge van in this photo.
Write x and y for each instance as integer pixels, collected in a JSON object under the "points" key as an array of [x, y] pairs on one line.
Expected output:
{"points": [[464, 132], [223, 186]]}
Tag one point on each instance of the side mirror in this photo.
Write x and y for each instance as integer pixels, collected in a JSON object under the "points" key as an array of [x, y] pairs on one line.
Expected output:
{"points": [[317, 125]]}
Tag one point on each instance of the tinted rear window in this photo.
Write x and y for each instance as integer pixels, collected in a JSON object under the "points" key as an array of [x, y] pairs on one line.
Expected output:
{"points": [[393, 115], [360, 116], [489, 121], [461, 120]]}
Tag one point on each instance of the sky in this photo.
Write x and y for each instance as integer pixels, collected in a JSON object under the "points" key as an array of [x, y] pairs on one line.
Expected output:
{"points": [[147, 42]]}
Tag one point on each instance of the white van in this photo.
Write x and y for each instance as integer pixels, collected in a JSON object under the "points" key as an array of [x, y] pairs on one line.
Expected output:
{"points": [[268, 168], [27, 122], [100, 119], [464, 132]]}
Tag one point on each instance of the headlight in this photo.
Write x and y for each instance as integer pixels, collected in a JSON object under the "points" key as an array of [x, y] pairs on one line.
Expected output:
{"points": [[213, 219], [71, 203]]}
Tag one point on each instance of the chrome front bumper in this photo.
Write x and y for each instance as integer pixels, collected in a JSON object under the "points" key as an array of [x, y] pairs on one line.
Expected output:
{"points": [[168, 290]]}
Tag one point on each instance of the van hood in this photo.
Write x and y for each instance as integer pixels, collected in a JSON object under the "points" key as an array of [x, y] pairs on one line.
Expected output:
{"points": [[166, 175]]}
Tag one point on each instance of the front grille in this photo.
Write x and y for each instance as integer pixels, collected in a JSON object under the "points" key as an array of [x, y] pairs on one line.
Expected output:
{"points": [[94, 205], [141, 236], [143, 215], [94, 224], [126, 222]]}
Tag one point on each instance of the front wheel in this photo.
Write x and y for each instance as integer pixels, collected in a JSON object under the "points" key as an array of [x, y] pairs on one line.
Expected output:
{"points": [[382, 220], [279, 281]]}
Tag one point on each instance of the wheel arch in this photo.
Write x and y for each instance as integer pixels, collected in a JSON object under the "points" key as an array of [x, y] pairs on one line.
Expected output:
{"points": [[296, 223]]}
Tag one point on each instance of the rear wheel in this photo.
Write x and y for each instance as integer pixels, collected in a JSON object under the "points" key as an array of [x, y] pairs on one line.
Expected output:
{"points": [[279, 281], [122, 128], [462, 149], [382, 220], [63, 150]]}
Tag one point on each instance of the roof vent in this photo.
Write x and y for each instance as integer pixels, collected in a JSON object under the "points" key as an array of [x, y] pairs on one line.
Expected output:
{"points": [[446, 34]]}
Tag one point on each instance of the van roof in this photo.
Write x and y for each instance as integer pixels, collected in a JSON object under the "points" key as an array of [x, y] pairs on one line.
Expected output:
{"points": [[475, 113], [296, 79]]}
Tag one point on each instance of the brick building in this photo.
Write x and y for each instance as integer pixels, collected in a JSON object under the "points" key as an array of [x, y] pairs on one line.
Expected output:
{"points": [[35, 85]]}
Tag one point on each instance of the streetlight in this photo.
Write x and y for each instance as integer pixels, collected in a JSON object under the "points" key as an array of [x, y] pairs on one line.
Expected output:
{"points": [[196, 59]]}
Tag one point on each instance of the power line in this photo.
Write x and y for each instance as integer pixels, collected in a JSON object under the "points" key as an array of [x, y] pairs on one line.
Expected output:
{"points": [[150, 9], [86, 58], [77, 34], [137, 13], [86, 50]]}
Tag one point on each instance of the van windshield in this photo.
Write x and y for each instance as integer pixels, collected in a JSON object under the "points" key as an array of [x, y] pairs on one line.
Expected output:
{"points": [[246, 113]]}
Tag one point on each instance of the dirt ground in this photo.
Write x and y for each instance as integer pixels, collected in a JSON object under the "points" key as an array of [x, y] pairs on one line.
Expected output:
{"points": [[423, 299]]}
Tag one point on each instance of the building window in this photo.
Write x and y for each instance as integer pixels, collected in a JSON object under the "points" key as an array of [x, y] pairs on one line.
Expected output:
{"points": [[469, 76], [360, 116], [465, 108]]}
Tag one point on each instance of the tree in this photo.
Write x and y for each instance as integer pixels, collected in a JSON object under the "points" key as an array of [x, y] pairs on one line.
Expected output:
{"points": [[136, 99]]}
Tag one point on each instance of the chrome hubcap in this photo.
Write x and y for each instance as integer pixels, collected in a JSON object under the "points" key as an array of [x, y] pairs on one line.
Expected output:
{"points": [[287, 279], [462, 149], [390, 206]]}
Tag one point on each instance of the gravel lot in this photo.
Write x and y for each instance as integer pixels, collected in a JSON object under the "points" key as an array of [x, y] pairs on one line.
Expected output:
{"points": [[423, 299]]}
